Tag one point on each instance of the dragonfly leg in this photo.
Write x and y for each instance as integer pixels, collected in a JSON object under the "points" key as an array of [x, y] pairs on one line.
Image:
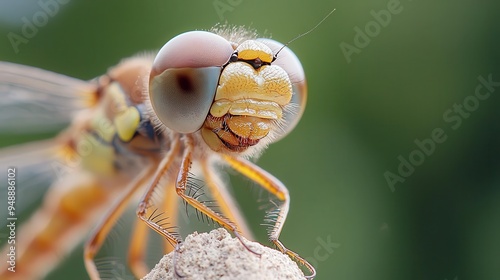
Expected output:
{"points": [[170, 205], [100, 233], [223, 198], [138, 241], [278, 215], [154, 219], [182, 186]]}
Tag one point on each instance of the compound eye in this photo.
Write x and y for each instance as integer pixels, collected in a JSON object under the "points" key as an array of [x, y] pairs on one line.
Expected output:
{"points": [[182, 97], [184, 78], [287, 60]]}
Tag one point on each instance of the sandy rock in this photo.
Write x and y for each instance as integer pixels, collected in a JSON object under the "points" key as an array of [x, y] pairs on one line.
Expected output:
{"points": [[217, 255]]}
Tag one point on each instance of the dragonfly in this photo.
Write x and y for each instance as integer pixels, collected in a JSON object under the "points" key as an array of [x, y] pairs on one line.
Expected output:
{"points": [[207, 101]]}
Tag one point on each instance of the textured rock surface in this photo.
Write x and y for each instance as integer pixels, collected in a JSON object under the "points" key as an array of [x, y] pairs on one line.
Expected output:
{"points": [[217, 255]]}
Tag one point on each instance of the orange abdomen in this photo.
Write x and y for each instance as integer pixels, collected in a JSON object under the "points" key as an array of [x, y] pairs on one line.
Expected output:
{"points": [[70, 209]]}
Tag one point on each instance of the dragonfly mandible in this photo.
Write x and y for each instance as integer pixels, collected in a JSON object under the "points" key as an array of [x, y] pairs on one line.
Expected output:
{"points": [[208, 99]]}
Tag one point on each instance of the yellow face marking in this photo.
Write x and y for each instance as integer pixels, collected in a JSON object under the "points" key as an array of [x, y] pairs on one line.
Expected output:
{"points": [[240, 80], [251, 49], [247, 107], [211, 139], [249, 99], [249, 127]]}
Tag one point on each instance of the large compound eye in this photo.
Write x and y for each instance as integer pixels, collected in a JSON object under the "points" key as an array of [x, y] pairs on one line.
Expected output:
{"points": [[287, 60], [184, 78]]}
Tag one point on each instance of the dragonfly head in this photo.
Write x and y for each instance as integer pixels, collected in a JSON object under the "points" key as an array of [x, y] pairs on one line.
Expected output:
{"points": [[239, 100]]}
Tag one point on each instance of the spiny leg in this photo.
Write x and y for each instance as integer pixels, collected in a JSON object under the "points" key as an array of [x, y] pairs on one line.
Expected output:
{"points": [[182, 185], [98, 236], [223, 199], [152, 220], [275, 187], [139, 239]]}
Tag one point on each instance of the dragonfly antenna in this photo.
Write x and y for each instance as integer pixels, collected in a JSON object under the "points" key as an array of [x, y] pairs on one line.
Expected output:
{"points": [[305, 33]]}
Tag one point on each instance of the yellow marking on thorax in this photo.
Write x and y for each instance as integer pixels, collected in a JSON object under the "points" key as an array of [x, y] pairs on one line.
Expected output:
{"points": [[113, 118], [99, 158], [125, 119], [101, 125], [126, 123]]}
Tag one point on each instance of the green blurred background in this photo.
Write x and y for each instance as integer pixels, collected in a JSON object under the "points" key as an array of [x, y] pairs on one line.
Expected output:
{"points": [[442, 222]]}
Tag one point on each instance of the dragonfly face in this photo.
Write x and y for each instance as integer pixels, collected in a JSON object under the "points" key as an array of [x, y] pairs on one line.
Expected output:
{"points": [[240, 99]]}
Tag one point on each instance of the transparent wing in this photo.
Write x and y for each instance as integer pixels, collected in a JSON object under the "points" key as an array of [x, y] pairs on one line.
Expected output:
{"points": [[34, 100], [35, 168]]}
